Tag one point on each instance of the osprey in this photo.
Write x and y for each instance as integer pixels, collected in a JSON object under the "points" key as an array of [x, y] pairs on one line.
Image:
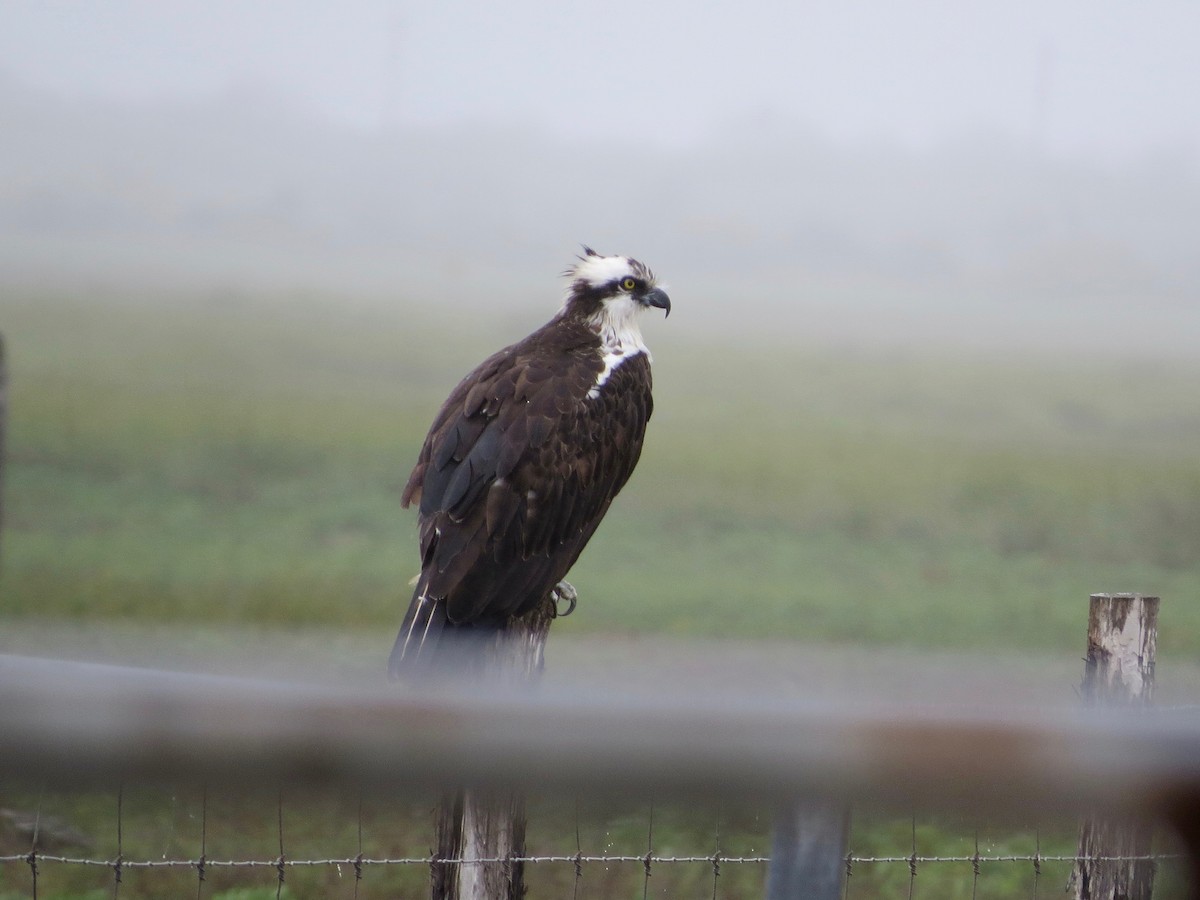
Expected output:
{"points": [[525, 457]]}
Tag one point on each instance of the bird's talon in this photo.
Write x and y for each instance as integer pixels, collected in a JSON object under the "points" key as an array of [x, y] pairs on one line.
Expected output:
{"points": [[564, 592]]}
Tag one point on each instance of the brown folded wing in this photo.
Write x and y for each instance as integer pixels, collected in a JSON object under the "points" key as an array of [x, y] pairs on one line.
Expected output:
{"points": [[518, 470]]}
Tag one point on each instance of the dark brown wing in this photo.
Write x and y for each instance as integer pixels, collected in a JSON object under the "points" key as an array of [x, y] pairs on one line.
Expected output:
{"points": [[518, 470]]}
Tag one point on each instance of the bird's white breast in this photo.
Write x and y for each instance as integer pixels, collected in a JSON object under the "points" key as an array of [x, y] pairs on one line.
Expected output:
{"points": [[620, 338]]}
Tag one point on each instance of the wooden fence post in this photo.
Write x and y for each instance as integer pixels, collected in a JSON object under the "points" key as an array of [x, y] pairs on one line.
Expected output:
{"points": [[491, 824], [1121, 643]]}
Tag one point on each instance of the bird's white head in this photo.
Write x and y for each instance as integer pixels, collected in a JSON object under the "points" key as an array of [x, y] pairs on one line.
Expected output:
{"points": [[609, 291]]}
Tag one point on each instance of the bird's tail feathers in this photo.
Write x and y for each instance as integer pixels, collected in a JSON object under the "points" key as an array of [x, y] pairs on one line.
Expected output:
{"points": [[420, 633], [430, 644]]}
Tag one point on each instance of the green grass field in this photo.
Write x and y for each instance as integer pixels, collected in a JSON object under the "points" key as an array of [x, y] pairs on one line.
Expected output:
{"points": [[236, 463], [241, 463]]}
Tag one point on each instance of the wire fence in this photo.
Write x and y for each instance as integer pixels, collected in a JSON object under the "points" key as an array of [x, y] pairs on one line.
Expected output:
{"points": [[153, 841], [967, 873], [141, 783]]}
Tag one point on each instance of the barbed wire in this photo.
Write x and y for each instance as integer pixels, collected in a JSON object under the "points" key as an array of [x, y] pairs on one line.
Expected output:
{"points": [[711, 859], [36, 862]]}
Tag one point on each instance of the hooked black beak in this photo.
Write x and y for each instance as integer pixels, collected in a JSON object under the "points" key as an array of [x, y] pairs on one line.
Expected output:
{"points": [[657, 297]]}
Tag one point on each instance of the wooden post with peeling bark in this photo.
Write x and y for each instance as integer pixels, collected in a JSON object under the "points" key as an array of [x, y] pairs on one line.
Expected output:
{"points": [[1121, 643], [477, 824]]}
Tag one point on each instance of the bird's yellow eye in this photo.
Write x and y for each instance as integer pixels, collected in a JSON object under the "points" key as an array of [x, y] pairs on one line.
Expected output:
{"points": [[628, 284]]}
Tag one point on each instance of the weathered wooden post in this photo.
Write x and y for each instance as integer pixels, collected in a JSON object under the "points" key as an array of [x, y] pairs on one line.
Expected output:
{"points": [[473, 825], [1121, 643]]}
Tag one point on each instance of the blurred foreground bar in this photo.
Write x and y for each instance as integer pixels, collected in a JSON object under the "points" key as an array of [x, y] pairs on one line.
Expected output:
{"points": [[72, 723]]}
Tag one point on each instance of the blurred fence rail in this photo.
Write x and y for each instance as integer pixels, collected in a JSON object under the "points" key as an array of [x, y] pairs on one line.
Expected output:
{"points": [[82, 726], [70, 723]]}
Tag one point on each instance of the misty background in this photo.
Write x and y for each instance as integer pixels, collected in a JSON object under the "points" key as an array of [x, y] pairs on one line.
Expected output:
{"points": [[248, 246], [1017, 175], [930, 376]]}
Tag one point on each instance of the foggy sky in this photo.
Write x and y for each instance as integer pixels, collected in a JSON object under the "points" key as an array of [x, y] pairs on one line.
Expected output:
{"points": [[1086, 77], [1013, 173]]}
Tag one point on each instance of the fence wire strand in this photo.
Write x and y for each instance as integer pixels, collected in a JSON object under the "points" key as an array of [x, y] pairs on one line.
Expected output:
{"points": [[649, 853], [358, 873], [32, 858], [912, 862], [975, 868], [716, 859], [709, 859], [203, 841], [120, 842], [578, 854], [280, 863], [1037, 861]]}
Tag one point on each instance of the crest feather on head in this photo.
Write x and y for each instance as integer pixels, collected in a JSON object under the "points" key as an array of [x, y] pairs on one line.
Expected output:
{"points": [[596, 270]]}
